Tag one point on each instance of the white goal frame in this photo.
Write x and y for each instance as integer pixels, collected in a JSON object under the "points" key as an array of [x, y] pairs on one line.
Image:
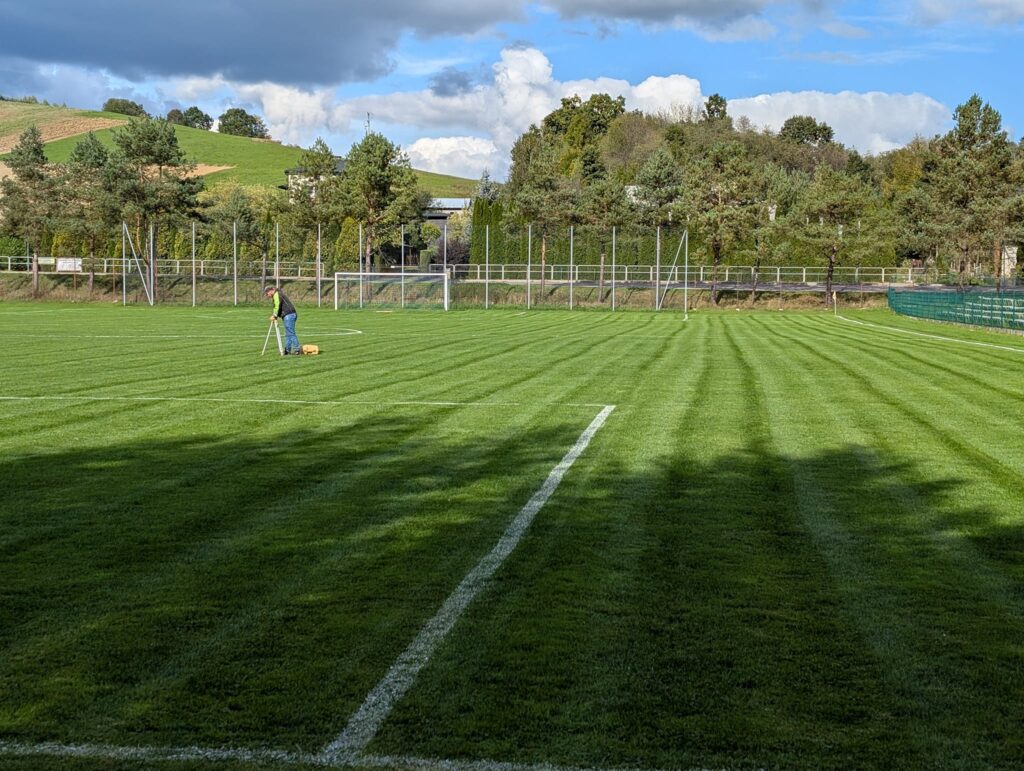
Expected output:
{"points": [[364, 278]]}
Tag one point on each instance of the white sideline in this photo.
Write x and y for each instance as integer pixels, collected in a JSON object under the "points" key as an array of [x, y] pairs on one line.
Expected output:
{"points": [[345, 332], [933, 337], [303, 402], [151, 754], [261, 757], [365, 723]]}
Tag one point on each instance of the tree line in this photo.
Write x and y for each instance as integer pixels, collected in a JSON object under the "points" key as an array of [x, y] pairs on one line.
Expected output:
{"points": [[756, 197], [145, 181], [234, 120]]}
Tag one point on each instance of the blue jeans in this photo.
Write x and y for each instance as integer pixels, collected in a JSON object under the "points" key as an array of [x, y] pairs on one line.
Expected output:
{"points": [[291, 342]]}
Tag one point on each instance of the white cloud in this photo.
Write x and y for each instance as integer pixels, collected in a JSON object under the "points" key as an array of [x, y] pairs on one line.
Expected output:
{"points": [[872, 122], [290, 113], [466, 131], [461, 156], [194, 88]]}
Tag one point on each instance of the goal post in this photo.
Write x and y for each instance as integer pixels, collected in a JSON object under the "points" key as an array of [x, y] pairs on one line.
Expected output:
{"points": [[391, 290]]}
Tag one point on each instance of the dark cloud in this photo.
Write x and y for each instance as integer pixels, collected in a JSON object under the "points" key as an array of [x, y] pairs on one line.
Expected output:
{"points": [[712, 14], [302, 42], [452, 81]]}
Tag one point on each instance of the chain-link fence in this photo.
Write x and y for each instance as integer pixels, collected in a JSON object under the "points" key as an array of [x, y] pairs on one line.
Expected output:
{"points": [[1004, 310]]}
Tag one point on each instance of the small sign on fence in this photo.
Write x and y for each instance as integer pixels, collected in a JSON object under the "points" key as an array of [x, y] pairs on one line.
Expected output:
{"points": [[67, 264]]}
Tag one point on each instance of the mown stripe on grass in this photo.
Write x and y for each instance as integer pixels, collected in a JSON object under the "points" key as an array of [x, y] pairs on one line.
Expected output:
{"points": [[365, 723], [929, 605], [943, 338], [958, 443]]}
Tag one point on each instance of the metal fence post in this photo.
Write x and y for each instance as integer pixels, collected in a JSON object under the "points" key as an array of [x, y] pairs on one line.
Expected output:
{"points": [[613, 266], [529, 261], [193, 263], [234, 258], [572, 246]]}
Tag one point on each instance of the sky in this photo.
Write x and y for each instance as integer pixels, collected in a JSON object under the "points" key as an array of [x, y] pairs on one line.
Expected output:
{"points": [[454, 82]]}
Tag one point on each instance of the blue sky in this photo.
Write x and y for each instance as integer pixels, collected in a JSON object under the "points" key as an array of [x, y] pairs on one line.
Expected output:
{"points": [[455, 82]]}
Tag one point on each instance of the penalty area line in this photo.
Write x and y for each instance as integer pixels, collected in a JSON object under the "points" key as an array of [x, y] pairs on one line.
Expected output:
{"points": [[364, 724], [975, 343]]}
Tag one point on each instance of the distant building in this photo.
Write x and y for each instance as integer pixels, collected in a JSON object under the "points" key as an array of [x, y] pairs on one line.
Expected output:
{"points": [[440, 209], [297, 177]]}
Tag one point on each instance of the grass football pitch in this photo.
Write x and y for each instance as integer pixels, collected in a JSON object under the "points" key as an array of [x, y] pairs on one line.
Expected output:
{"points": [[504, 540]]}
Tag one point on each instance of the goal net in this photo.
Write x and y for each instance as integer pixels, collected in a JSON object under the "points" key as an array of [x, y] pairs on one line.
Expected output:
{"points": [[391, 290]]}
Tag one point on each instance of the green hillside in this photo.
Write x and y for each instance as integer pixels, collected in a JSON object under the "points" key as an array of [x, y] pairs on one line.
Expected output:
{"points": [[252, 161]]}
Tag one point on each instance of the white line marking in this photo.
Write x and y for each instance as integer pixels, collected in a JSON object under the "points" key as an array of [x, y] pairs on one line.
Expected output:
{"points": [[259, 757], [389, 761], [933, 337], [167, 754], [305, 402], [365, 723], [62, 336]]}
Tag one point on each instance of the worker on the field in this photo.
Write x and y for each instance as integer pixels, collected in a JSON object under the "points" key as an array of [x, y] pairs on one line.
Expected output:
{"points": [[284, 310]]}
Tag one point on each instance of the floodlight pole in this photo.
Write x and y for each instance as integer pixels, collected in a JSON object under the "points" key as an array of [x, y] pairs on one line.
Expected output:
{"points": [[403, 264], [277, 255], [487, 266], [234, 258], [319, 271]]}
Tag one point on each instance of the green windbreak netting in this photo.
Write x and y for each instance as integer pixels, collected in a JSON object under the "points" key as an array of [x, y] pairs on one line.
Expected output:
{"points": [[979, 308]]}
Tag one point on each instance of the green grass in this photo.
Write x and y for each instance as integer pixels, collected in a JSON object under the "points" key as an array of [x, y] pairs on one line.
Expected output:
{"points": [[253, 162], [797, 542]]}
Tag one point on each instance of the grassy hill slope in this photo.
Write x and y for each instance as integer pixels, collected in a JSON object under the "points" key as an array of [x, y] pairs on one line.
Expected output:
{"points": [[253, 162]]}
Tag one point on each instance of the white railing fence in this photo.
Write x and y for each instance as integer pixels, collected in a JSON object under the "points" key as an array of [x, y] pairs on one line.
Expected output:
{"points": [[697, 274], [499, 272]]}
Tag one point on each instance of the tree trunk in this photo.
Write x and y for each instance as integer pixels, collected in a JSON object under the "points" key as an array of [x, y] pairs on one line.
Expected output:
{"points": [[600, 279], [716, 260], [35, 274]]}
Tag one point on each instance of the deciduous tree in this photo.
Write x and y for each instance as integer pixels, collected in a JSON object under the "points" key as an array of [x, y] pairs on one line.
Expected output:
{"points": [[238, 122]]}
